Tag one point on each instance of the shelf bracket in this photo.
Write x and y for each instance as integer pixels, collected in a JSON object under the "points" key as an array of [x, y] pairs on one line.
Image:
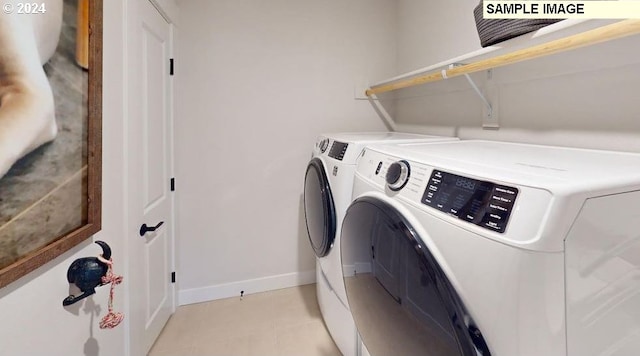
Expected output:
{"points": [[383, 113], [489, 115]]}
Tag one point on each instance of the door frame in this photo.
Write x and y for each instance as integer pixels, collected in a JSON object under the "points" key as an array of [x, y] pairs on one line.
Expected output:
{"points": [[169, 11]]}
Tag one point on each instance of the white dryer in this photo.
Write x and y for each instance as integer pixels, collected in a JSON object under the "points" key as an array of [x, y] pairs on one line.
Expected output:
{"points": [[327, 194], [487, 248]]}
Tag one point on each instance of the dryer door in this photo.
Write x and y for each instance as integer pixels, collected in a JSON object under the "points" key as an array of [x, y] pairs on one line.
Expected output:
{"points": [[401, 300], [319, 210]]}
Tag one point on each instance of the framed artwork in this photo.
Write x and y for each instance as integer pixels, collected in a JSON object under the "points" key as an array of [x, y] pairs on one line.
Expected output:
{"points": [[50, 130]]}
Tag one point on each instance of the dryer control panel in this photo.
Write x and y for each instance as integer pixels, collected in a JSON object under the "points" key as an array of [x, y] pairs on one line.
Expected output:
{"points": [[482, 203], [338, 149]]}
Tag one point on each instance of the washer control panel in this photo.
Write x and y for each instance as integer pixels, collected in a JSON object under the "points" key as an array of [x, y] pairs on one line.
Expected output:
{"points": [[482, 203]]}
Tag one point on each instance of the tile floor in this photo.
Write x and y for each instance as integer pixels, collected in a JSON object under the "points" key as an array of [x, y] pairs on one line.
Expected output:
{"points": [[282, 322]]}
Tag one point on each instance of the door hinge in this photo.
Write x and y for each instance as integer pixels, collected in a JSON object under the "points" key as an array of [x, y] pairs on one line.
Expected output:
{"points": [[173, 184], [173, 277], [170, 66]]}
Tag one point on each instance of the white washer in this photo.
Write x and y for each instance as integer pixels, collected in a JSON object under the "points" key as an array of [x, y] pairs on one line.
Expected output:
{"points": [[327, 194], [496, 249]]}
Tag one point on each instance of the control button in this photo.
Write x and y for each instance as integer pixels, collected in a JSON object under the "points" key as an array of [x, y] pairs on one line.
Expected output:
{"points": [[398, 175], [495, 214], [493, 225], [506, 190], [502, 199], [378, 168], [498, 207], [495, 220]]}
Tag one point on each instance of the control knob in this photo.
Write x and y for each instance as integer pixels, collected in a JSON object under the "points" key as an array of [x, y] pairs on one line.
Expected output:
{"points": [[398, 175], [323, 145]]}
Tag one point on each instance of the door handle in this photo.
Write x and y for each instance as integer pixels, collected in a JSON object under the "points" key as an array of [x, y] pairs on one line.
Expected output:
{"points": [[144, 228]]}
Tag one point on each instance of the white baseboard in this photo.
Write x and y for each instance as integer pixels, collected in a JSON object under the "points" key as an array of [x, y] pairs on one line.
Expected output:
{"points": [[250, 286]]}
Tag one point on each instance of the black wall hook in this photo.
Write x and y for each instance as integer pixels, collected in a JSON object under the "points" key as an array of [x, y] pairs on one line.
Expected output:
{"points": [[86, 273]]}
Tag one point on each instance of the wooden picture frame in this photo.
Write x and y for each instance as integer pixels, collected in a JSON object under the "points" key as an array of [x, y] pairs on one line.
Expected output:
{"points": [[90, 174]]}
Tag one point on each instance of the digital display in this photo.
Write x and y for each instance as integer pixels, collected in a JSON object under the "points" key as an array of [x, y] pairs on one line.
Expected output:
{"points": [[338, 149], [465, 183], [479, 202]]}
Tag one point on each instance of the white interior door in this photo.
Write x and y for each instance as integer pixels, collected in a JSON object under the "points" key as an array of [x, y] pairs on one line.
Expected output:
{"points": [[150, 165]]}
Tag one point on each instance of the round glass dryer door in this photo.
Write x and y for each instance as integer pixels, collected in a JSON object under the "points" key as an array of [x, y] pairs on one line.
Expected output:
{"points": [[319, 210], [400, 299]]}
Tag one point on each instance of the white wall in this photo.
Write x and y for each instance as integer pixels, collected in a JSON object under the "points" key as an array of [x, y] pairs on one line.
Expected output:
{"points": [[257, 81], [34, 321], [584, 98], [432, 31]]}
